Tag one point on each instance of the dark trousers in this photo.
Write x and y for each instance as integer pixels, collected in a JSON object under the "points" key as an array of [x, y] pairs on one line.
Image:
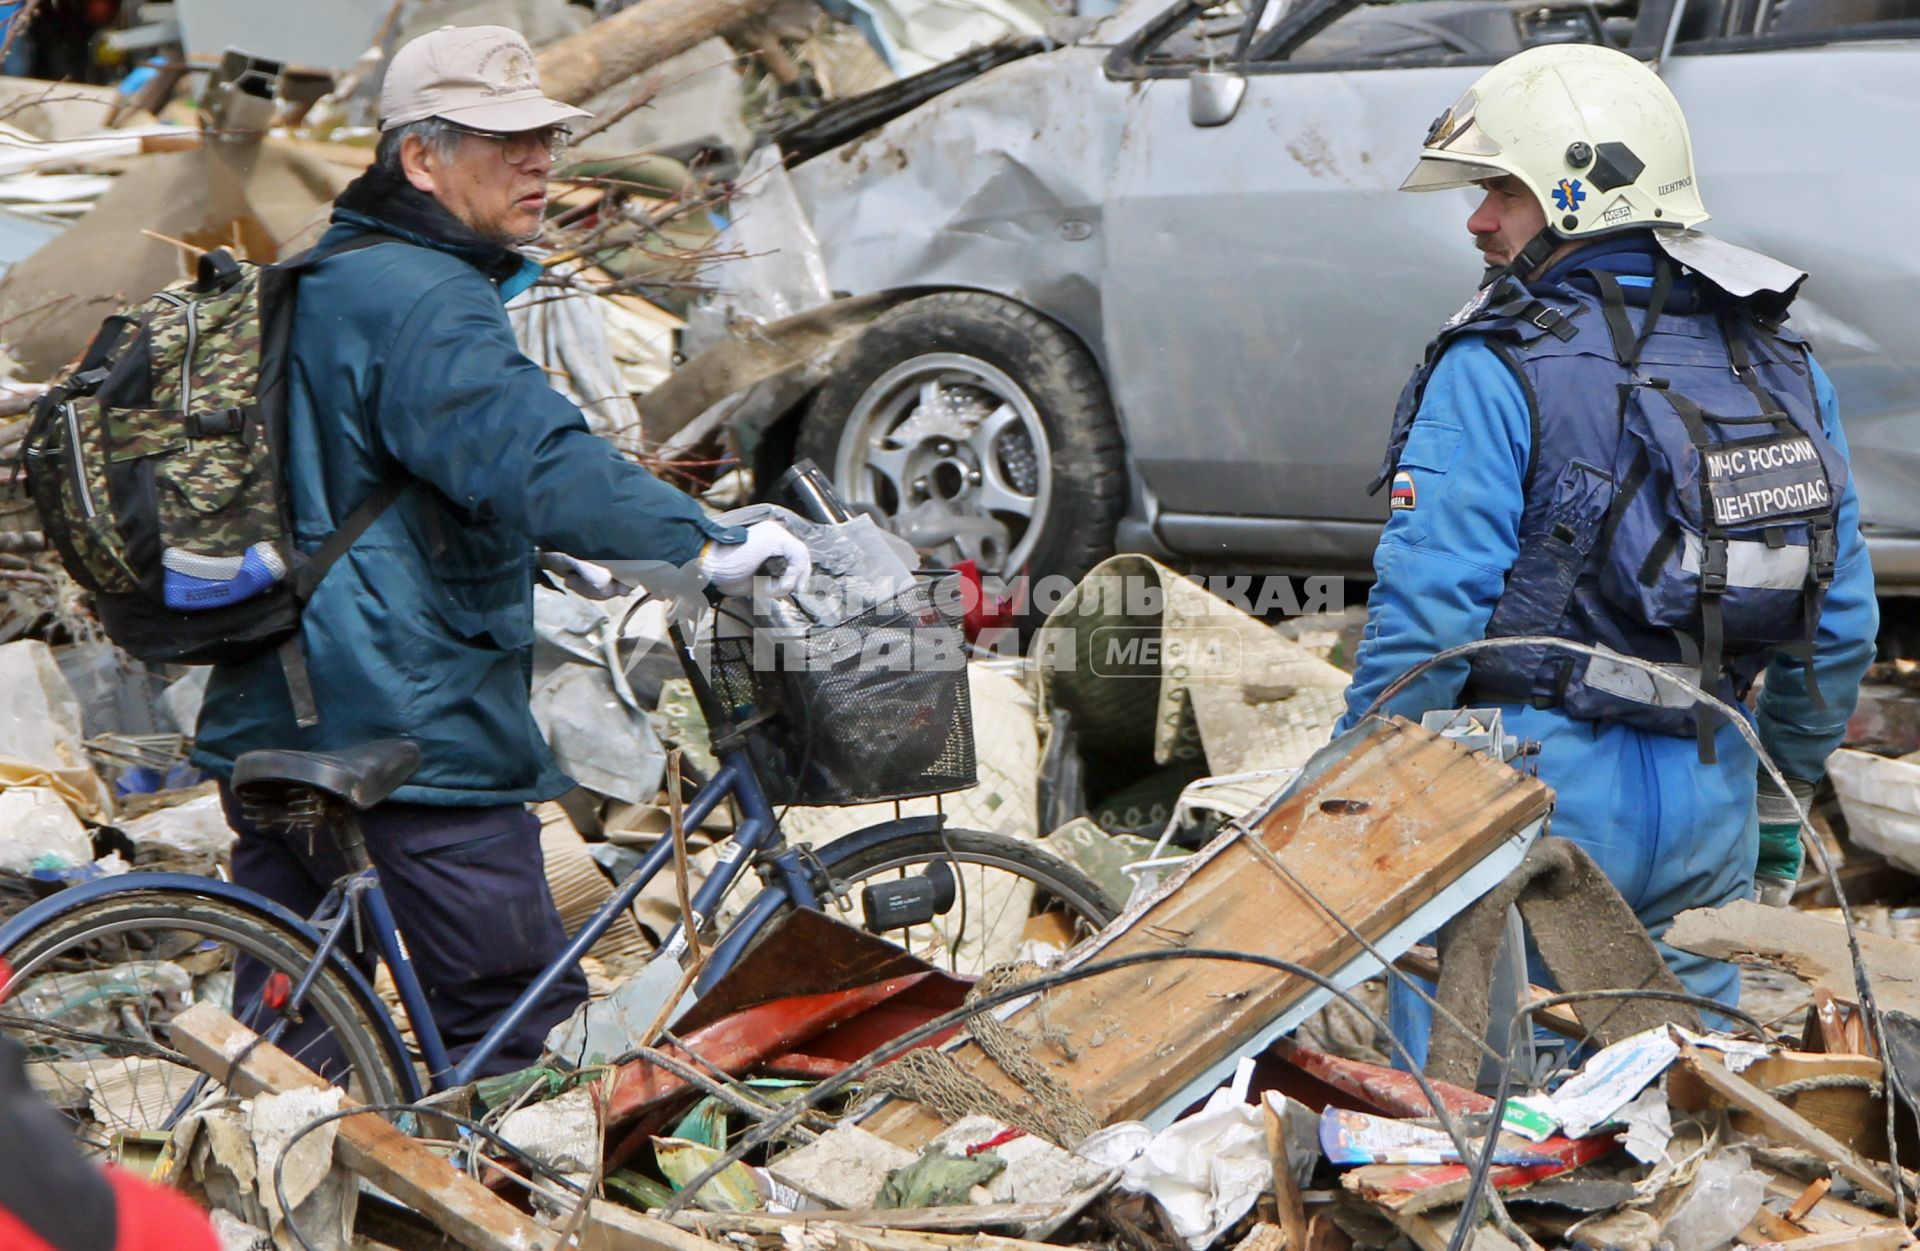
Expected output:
{"points": [[470, 896]]}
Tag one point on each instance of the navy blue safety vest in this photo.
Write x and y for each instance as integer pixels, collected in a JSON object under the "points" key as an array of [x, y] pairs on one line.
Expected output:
{"points": [[1680, 501]]}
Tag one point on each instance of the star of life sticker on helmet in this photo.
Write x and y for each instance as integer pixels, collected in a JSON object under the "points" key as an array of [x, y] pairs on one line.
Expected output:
{"points": [[1568, 195], [1402, 498]]}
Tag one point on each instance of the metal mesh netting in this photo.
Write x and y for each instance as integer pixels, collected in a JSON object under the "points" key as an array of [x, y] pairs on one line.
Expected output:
{"points": [[875, 708]]}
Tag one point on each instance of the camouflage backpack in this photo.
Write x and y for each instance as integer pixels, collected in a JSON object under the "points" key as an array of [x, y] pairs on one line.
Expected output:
{"points": [[155, 464]]}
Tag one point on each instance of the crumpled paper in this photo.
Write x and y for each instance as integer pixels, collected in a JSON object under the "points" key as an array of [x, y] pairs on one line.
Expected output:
{"points": [[1206, 1169]]}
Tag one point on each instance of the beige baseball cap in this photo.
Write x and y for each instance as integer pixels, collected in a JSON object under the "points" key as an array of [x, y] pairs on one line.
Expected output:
{"points": [[478, 76]]}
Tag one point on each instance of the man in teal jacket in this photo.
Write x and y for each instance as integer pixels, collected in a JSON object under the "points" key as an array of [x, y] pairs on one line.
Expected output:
{"points": [[405, 370]]}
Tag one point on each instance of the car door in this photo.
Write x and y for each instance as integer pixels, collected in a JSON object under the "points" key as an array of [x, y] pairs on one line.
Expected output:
{"points": [[1268, 292]]}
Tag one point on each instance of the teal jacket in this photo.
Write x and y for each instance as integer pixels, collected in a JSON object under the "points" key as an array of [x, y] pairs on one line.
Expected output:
{"points": [[403, 366]]}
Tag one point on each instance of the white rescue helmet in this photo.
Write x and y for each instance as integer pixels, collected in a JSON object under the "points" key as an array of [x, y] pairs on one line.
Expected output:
{"points": [[1593, 133]]}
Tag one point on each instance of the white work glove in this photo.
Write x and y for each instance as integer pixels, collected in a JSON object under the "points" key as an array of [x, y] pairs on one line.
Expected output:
{"points": [[732, 567], [581, 577]]}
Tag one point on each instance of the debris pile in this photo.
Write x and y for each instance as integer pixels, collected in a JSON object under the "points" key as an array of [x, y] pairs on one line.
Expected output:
{"points": [[1155, 1086], [1194, 1054]]}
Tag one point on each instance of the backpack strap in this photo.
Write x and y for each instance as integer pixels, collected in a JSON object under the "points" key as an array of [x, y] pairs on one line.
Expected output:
{"points": [[307, 573], [306, 579], [1713, 578], [1627, 344]]}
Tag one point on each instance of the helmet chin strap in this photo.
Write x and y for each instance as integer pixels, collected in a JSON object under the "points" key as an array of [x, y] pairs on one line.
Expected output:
{"points": [[1527, 259]]}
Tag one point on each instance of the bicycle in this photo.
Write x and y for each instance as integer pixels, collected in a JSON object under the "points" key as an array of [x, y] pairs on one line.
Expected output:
{"points": [[99, 968]]}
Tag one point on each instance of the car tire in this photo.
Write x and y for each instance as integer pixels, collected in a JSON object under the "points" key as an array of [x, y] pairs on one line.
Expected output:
{"points": [[1038, 426]]}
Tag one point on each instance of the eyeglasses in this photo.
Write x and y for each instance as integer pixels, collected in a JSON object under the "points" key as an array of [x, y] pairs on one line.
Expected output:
{"points": [[517, 147]]}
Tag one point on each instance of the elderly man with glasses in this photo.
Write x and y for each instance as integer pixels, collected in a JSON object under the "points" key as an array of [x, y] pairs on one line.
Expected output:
{"points": [[406, 388]]}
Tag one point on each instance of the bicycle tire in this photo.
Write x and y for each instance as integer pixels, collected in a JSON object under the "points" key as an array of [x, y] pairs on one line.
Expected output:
{"points": [[1086, 907], [52, 949]]}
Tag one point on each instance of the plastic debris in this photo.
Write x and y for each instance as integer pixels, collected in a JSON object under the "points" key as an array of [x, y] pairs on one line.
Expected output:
{"points": [[1349, 1138], [1724, 1196], [1601, 1088], [1206, 1169]]}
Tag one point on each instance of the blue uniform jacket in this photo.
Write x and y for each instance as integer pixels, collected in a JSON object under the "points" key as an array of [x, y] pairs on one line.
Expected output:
{"points": [[1441, 565], [404, 365]]}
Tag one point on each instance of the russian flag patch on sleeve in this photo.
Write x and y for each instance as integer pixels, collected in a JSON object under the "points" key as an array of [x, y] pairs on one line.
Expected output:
{"points": [[1401, 498]]}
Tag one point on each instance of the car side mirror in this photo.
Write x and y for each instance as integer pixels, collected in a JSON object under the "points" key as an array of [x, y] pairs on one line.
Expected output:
{"points": [[1213, 96]]}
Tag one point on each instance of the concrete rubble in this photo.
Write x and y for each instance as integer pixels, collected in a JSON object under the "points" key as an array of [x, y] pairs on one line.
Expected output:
{"points": [[1129, 1087]]}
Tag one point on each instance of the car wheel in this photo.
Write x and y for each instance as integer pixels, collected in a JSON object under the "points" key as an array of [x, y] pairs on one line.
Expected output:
{"points": [[976, 429]]}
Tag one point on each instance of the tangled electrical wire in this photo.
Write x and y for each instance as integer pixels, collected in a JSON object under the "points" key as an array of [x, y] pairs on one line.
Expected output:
{"points": [[785, 1122], [1869, 1007]]}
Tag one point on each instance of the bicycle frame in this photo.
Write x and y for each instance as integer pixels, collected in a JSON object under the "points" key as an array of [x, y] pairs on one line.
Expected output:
{"points": [[758, 831]]}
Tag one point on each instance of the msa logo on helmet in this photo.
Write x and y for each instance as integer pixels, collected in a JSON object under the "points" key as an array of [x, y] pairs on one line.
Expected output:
{"points": [[1766, 481], [1567, 195]]}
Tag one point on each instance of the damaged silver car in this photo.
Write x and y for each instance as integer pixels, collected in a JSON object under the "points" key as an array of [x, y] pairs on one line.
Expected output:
{"points": [[1154, 287]]}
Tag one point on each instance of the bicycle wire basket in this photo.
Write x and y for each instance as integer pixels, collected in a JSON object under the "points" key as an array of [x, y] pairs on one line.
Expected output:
{"points": [[875, 708]]}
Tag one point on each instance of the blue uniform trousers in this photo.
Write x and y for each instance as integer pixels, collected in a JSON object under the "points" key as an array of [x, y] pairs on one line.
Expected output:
{"points": [[470, 896]]}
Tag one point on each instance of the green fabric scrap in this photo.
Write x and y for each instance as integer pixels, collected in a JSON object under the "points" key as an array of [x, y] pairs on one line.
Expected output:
{"points": [[937, 1181]]}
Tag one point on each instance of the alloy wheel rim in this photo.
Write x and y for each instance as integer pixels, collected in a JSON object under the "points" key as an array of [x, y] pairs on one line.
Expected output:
{"points": [[951, 453]]}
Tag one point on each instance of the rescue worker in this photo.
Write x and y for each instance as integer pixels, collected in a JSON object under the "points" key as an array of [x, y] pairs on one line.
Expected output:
{"points": [[405, 378], [1618, 443]]}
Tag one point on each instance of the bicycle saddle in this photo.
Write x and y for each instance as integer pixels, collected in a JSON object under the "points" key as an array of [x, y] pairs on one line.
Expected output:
{"points": [[361, 776]]}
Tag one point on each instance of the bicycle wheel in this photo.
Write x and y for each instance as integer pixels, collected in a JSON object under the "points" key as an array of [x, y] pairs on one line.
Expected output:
{"points": [[94, 990], [1011, 894]]}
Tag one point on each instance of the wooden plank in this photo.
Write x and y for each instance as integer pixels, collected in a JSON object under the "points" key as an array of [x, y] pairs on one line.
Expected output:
{"points": [[405, 1169], [1381, 831], [1816, 1190], [1777, 1120], [1851, 1114], [1433, 1232], [1286, 1191], [1826, 1209], [611, 1227], [1887, 1237], [1813, 950]]}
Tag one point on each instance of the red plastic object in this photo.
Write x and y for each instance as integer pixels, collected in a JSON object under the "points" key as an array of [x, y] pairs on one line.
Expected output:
{"points": [[740, 1043], [276, 991], [981, 614], [1396, 1094]]}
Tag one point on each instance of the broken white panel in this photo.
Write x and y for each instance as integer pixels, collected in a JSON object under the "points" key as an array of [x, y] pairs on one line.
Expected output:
{"points": [[563, 1133], [1881, 800], [597, 739], [844, 1168]]}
